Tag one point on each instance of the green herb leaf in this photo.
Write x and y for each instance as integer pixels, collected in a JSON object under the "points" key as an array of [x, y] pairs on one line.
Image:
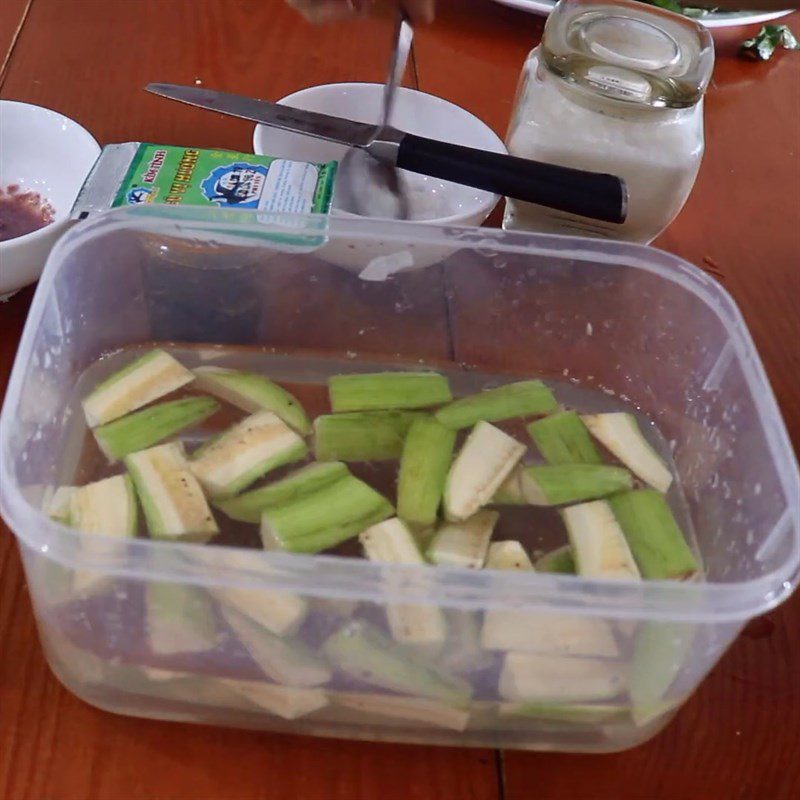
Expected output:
{"points": [[764, 44]]}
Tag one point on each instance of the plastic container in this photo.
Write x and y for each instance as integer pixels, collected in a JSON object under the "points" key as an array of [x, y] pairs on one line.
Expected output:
{"points": [[620, 323]]}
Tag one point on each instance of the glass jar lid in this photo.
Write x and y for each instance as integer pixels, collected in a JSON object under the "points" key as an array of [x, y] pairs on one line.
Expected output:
{"points": [[629, 51]]}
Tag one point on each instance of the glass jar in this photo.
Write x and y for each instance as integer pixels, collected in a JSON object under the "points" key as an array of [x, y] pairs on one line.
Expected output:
{"points": [[616, 88]]}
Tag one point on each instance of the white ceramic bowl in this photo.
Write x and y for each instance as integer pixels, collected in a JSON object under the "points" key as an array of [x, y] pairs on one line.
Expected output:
{"points": [[415, 112], [44, 152]]}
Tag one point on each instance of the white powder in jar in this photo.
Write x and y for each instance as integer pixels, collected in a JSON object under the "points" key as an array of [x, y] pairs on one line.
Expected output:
{"points": [[657, 151]]}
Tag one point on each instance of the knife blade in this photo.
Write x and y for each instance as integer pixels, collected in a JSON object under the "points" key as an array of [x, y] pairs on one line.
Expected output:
{"points": [[310, 123]]}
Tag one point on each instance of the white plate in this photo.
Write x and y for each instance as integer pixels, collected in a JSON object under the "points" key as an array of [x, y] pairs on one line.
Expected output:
{"points": [[716, 19]]}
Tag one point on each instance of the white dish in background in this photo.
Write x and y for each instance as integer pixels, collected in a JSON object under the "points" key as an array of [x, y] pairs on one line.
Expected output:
{"points": [[714, 19], [44, 152], [415, 112]]}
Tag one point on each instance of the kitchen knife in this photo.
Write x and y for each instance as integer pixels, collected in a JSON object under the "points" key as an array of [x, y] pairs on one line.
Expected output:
{"points": [[589, 194]]}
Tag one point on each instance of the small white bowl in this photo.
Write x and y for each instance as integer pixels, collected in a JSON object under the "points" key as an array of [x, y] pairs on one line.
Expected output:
{"points": [[45, 152], [415, 112]]}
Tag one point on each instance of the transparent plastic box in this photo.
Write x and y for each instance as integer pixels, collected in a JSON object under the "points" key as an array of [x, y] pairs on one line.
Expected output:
{"points": [[230, 635]]}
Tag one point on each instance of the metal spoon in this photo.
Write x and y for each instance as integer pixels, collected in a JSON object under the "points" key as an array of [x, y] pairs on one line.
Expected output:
{"points": [[366, 186]]}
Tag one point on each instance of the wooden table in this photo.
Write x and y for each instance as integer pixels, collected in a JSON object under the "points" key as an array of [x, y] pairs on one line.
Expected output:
{"points": [[739, 737]]}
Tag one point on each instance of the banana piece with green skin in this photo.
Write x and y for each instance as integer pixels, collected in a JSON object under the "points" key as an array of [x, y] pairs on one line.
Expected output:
{"points": [[179, 619], [151, 425], [521, 399], [391, 542], [399, 709], [253, 393], [144, 380], [173, 502], [620, 434], [463, 544], [106, 509], [653, 535], [363, 652], [481, 466], [246, 452], [286, 661], [287, 702], [548, 679], [561, 561], [388, 390], [598, 543], [324, 518], [362, 435], [249, 507], [563, 438], [279, 612]]}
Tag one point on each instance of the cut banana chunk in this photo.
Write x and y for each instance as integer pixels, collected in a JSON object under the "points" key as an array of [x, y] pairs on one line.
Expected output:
{"points": [[548, 634], [522, 399], [362, 435], [484, 462], [509, 555], [427, 455], [324, 518], [598, 543], [657, 543], [249, 506], [288, 702], [179, 619], [364, 653], [561, 560], [463, 544], [620, 434], [57, 506], [106, 508], [146, 379], [252, 393], [391, 542], [173, 502], [245, 453], [563, 438], [573, 483], [549, 679], [415, 710], [388, 390], [285, 661], [151, 425]]}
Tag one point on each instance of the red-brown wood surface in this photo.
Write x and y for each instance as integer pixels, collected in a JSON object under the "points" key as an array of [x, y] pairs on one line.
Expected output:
{"points": [[739, 737]]}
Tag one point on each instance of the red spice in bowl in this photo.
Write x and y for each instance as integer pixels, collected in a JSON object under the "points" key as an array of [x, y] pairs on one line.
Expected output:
{"points": [[22, 212]]}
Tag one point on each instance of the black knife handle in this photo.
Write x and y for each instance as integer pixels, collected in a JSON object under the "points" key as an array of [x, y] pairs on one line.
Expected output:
{"points": [[589, 194]]}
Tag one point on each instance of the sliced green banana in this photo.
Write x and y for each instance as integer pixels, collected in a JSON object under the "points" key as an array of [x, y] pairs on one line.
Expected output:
{"points": [[246, 452], [151, 425], [552, 679], [252, 393], [654, 537], [483, 463], [285, 661], [391, 542], [288, 702], [561, 560], [179, 619], [463, 544], [563, 438], [620, 434], [173, 502], [523, 399], [362, 436], [141, 382], [362, 652], [598, 543], [249, 506], [427, 456], [414, 710], [388, 390], [326, 517], [510, 555]]}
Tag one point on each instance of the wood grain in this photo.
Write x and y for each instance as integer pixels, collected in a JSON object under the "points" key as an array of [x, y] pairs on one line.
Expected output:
{"points": [[738, 737]]}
